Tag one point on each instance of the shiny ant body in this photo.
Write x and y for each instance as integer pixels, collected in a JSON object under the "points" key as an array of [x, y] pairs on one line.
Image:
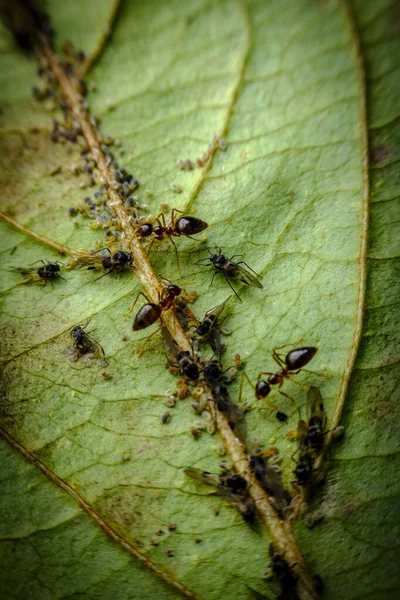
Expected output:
{"points": [[149, 313], [185, 225]]}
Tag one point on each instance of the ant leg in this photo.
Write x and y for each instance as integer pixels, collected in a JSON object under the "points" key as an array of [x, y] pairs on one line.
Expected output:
{"points": [[174, 210], [176, 253], [141, 349], [303, 387], [136, 299], [232, 288], [243, 376], [287, 396], [212, 279], [326, 375], [264, 373], [277, 358], [163, 223], [150, 245]]}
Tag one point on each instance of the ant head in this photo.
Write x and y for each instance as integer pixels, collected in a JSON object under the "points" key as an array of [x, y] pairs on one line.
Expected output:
{"points": [[174, 290]]}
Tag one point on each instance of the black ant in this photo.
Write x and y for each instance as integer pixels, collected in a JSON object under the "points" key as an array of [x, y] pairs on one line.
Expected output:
{"points": [[228, 268], [84, 343], [186, 225], [291, 364], [48, 272]]}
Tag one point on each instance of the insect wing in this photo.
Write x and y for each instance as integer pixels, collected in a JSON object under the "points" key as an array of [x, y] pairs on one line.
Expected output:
{"points": [[217, 310], [243, 504], [315, 403], [24, 271], [202, 476], [302, 430], [238, 272]]}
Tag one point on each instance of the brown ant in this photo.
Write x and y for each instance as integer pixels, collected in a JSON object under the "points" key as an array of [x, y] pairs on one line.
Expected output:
{"points": [[230, 486], [291, 364], [84, 343], [48, 272], [150, 312], [185, 225]]}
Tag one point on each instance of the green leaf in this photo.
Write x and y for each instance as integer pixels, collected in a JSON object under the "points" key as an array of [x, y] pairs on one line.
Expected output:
{"points": [[283, 84]]}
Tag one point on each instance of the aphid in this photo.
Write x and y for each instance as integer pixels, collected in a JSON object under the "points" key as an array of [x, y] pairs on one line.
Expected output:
{"points": [[292, 364], [112, 262], [303, 470], [210, 320], [185, 225], [268, 473], [166, 417], [230, 486], [230, 269], [314, 438], [281, 570], [84, 343], [187, 365], [172, 527], [282, 417], [48, 272], [230, 409], [149, 313]]}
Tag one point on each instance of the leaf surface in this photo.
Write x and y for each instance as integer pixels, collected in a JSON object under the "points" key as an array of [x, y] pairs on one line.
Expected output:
{"points": [[282, 84]]}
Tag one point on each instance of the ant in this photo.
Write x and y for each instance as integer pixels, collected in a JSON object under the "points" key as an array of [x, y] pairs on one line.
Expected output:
{"points": [[291, 364], [150, 312], [186, 225], [84, 343], [48, 272], [228, 268]]}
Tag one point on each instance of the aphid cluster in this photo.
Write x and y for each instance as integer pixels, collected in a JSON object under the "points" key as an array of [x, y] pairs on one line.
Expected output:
{"points": [[217, 143], [204, 377]]}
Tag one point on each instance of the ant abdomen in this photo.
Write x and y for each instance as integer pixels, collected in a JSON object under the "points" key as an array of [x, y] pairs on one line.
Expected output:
{"points": [[299, 357], [147, 315]]}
